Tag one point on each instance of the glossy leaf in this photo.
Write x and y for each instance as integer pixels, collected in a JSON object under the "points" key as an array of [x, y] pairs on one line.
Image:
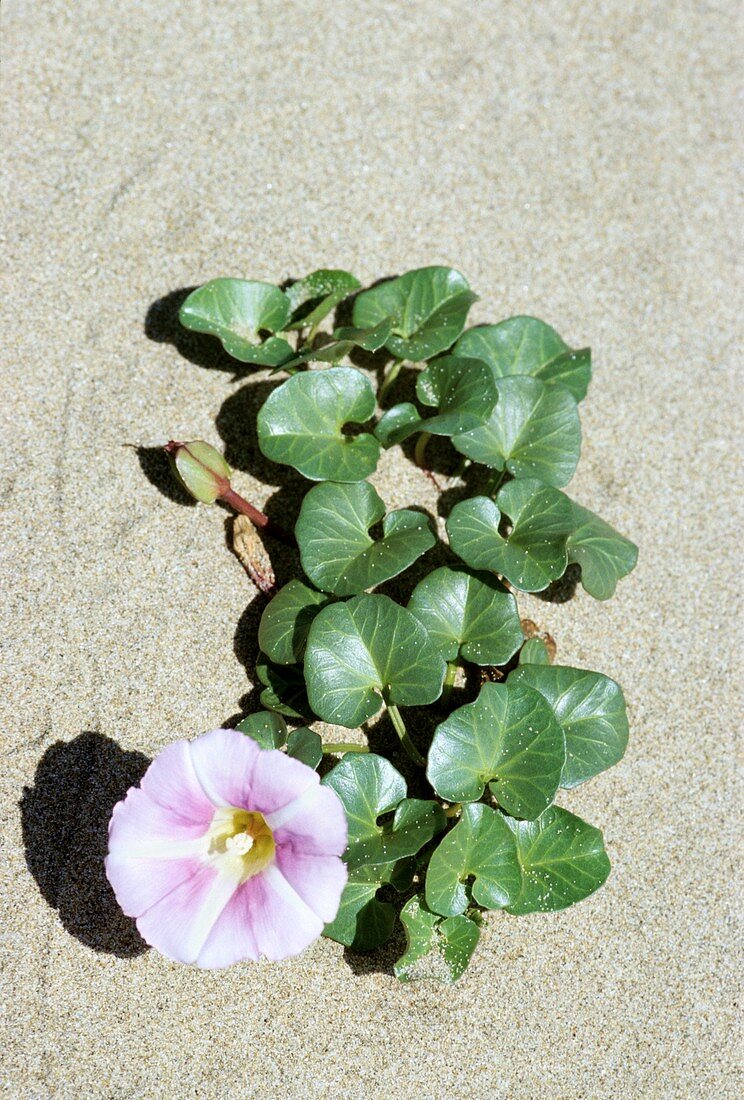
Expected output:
{"points": [[462, 390], [590, 708], [468, 614], [338, 553], [563, 860], [344, 340], [533, 430], [508, 736], [482, 847], [267, 729], [301, 424], [313, 297], [368, 787], [428, 308], [239, 312], [534, 652], [284, 689], [286, 620], [362, 923], [363, 650], [603, 554], [451, 940], [306, 746], [524, 345], [534, 552]]}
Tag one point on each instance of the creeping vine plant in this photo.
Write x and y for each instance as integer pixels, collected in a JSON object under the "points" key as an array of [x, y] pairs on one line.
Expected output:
{"points": [[488, 835]]}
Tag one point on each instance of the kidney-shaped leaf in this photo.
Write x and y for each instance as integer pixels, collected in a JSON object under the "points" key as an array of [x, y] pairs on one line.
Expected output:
{"points": [[428, 308], [344, 339], [462, 390], [604, 555], [448, 940], [306, 746], [524, 345], [562, 858], [366, 650], [282, 631], [284, 689], [239, 312], [267, 728], [337, 551], [368, 787], [301, 424], [510, 736], [591, 710], [313, 297], [534, 552], [533, 430], [468, 614], [481, 845]]}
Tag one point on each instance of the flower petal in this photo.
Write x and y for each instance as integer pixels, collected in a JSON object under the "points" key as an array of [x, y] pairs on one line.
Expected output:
{"points": [[314, 824], [179, 924], [172, 783], [142, 828], [224, 761], [280, 779], [141, 883], [265, 916], [318, 880]]}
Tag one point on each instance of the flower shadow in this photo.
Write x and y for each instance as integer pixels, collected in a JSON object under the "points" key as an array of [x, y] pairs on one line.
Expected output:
{"points": [[64, 820]]}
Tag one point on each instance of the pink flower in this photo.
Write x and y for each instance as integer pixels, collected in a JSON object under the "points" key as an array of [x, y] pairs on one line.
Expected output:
{"points": [[227, 851]]}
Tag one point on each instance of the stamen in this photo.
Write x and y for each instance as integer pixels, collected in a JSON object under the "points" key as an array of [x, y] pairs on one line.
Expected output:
{"points": [[240, 844]]}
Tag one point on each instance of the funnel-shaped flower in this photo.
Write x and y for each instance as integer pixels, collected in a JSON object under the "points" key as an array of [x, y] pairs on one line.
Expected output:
{"points": [[226, 851]]}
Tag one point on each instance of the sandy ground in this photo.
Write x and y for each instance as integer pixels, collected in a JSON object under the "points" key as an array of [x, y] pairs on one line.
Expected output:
{"points": [[575, 162]]}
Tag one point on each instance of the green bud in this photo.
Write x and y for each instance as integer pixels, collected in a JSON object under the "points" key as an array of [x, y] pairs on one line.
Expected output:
{"points": [[201, 469]]}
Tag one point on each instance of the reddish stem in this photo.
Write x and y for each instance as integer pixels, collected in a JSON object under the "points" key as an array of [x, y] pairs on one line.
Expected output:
{"points": [[258, 519]]}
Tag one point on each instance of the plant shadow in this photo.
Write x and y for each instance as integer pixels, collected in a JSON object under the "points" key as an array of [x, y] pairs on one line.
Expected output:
{"points": [[64, 820], [163, 326]]}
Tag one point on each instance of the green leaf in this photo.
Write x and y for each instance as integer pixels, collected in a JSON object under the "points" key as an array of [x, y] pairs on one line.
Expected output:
{"points": [[534, 431], [462, 389], [534, 552], [306, 746], [282, 631], [338, 553], [301, 424], [524, 345], [428, 308], [451, 939], [267, 729], [509, 736], [345, 339], [239, 311], [563, 860], [312, 298], [604, 555], [481, 845], [365, 650], [284, 689], [468, 614], [534, 652], [591, 710], [368, 787], [362, 923]]}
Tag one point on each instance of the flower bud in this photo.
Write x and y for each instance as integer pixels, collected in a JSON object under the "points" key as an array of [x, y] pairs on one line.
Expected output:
{"points": [[201, 469]]}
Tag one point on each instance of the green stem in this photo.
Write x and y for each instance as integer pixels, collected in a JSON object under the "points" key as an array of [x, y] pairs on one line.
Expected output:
{"points": [[418, 454], [449, 680], [392, 374], [497, 480], [311, 334], [454, 810], [405, 740], [344, 746]]}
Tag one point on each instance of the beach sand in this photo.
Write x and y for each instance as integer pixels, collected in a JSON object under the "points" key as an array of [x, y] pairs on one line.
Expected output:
{"points": [[575, 162]]}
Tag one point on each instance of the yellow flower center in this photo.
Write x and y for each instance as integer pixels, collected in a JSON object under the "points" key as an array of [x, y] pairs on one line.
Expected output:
{"points": [[241, 841]]}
